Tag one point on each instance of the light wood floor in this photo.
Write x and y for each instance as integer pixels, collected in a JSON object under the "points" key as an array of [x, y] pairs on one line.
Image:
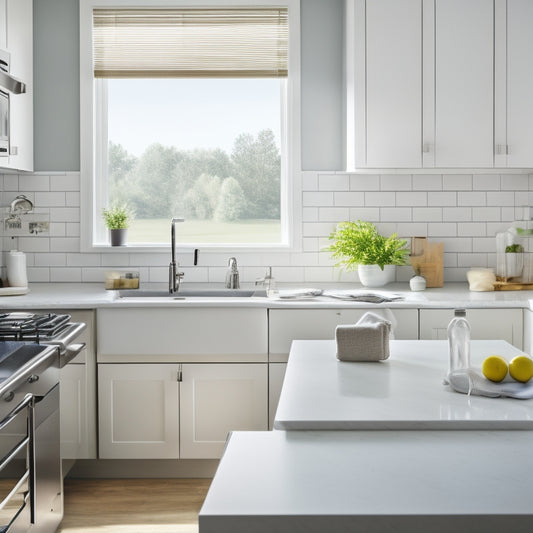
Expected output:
{"points": [[133, 505]]}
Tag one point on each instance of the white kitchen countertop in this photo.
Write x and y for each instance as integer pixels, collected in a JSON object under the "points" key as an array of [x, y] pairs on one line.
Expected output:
{"points": [[404, 392], [372, 481], [93, 295]]}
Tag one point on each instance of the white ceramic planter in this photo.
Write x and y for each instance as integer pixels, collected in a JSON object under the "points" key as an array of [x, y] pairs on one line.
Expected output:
{"points": [[373, 276]]}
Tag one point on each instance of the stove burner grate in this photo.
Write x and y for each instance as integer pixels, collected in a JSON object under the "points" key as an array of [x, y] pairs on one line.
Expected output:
{"points": [[31, 326]]}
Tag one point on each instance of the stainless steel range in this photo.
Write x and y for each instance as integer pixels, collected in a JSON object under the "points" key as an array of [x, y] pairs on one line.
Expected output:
{"points": [[33, 348]]}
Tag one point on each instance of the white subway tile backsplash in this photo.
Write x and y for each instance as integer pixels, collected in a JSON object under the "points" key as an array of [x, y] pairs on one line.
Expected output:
{"points": [[427, 182], [486, 182], [317, 198], [72, 198], [50, 259], [500, 198], [50, 199], [442, 198], [310, 214], [464, 211], [333, 214], [67, 244], [486, 214], [411, 199], [472, 260], [442, 229], [471, 198], [459, 214], [65, 182], [33, 182], [309, 181], [396, 214], [456, 182], [349, 199], [333, 182], [65, 214], [396, 182], [427, 214], [471, 229], [364, 182], [380, 199], [412, 229], [514, 182], [65, 275]]}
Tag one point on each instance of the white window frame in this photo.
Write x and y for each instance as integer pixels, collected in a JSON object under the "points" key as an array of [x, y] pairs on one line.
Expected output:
{"points": [[91, 232]]}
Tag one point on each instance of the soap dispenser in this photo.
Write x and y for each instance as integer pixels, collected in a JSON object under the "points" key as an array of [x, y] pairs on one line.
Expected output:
{"points": [[269, 283]]}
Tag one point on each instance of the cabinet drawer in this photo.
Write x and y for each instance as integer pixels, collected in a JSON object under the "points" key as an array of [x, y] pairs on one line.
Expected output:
{"points": [[505, 324], [167, 334], [286, 325]]}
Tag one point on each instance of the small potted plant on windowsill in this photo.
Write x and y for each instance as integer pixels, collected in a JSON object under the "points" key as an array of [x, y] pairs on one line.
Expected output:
{"points": [[359, 246], [117, 218]]}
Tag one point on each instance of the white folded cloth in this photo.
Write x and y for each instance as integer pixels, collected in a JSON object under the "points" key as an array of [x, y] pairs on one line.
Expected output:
{"points": [[472, 381], [367, 340]]}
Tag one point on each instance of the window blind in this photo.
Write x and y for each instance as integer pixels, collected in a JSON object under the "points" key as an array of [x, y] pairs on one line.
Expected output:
{"points": [[206, 42]]}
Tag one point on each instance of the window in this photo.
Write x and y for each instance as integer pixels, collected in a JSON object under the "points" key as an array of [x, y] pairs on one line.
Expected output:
{"points": [[190, 119]]}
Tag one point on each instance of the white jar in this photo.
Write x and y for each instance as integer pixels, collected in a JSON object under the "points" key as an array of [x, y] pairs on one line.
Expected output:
{"points": [[16, 269], [417, 283]]}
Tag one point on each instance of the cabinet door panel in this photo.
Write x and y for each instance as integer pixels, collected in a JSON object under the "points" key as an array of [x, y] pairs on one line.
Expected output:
{"points": [[505, 324], [216, 399], [519, 83], [464, 102], [286, 325], [276, 375], [393, 83], [138, 411]]}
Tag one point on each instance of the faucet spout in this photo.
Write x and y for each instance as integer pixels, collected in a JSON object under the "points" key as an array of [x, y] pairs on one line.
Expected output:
{"points": [[174, 277]]}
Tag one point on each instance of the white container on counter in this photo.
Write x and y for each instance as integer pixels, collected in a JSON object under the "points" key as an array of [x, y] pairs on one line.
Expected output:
{"points": [[16, 269]]}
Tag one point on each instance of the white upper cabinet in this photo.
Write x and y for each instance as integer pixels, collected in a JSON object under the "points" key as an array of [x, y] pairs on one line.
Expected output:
{"points": [[439, 83], [464, 77], [514, 82], [17, 38], [391, 84]]}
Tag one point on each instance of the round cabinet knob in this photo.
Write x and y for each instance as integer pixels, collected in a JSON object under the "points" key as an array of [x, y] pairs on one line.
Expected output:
{"points": [[8, 397], [33, 378]]}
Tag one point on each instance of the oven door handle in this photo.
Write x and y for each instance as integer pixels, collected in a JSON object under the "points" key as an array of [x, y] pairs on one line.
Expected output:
{"points": [[71, 351], [12, 415]]}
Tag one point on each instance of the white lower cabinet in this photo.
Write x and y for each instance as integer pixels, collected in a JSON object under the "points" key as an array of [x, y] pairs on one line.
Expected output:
{"points": [[286, 325], [78, 396], [276, 375], [171, 411], [216, 399], [505, 324]]}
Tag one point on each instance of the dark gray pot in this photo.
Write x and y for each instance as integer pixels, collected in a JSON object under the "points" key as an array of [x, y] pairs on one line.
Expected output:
{"points": [[118, 236]]}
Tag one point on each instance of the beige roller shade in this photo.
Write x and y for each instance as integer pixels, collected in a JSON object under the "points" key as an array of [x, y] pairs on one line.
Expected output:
{"points": [[207, 42]]}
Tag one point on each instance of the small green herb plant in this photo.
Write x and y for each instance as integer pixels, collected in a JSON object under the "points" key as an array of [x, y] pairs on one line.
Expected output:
{"points": [[117, 216], [514, 249], [359, 243]]}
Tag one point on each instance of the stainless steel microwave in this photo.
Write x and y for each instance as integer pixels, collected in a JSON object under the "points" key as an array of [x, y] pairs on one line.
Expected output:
{"points": [[8, 85]]}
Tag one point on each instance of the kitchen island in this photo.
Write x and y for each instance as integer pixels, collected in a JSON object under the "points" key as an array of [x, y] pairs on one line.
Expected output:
{"points": [[379, 447], [405, 391], [372, 482]]}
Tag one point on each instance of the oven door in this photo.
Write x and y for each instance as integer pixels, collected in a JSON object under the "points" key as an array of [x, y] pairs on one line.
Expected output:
{"points": [[16, 467], [4, 124]]}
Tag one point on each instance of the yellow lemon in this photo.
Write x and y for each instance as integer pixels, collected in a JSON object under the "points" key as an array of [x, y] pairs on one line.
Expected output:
{"points": [[494, 367], [521, 368]]}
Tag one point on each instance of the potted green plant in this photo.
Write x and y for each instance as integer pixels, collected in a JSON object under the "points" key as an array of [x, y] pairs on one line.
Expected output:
{"points": [[117, 218], [514, 260], [359, 246]]}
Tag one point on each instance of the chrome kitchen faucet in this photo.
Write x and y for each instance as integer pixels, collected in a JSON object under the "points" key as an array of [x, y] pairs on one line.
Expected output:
{"points": [[174, 277]]}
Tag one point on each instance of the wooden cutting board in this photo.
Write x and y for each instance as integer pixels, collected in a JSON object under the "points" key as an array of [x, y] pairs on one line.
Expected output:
{"points": [[428, 259]]}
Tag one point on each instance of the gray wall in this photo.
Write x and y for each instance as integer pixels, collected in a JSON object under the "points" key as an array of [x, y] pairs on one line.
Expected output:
{"points": [[56, 74], [322, 87], [56, 84]]}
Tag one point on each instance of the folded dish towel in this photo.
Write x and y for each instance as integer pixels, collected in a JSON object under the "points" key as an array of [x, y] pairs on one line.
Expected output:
{"points": [[368, 340], [472, 382]]}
